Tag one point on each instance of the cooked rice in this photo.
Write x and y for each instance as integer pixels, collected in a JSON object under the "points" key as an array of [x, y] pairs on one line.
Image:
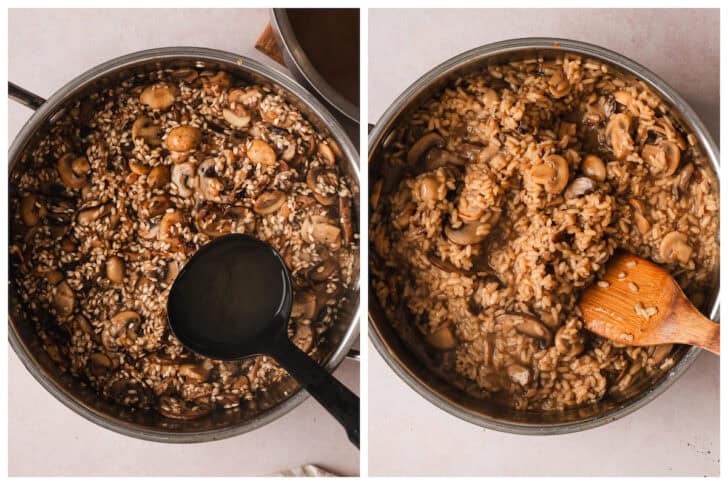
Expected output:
{"points": [[93, 262], [489, 217]]}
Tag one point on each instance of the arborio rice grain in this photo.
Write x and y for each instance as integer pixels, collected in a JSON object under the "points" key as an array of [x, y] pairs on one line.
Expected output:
{"points": [[504, 195]]}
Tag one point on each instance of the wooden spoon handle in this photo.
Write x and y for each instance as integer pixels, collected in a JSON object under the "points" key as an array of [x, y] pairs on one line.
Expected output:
{"points": [[702, 332]]}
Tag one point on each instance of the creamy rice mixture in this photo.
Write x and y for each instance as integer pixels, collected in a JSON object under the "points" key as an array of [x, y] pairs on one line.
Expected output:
{"points": [[128, 184], [502, 197]]}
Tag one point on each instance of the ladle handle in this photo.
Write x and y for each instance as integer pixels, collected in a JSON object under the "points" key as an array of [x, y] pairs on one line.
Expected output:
{"points": [[339, 401], [24, 97]]}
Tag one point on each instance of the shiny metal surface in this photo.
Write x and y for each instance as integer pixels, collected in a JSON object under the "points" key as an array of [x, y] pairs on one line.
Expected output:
{"points": [[401, 358], [148, 425], [301, 67]]}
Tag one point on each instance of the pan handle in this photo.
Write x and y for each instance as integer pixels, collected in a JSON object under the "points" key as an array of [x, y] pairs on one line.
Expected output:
{"points": [[24, 97]]}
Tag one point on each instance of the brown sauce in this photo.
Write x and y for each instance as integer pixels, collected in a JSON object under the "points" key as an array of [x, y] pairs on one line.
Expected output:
{"points": [[330, 39]]}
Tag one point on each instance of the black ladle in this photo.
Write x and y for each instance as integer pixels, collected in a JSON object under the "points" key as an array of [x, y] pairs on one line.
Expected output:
{"points": [[232, 300]]}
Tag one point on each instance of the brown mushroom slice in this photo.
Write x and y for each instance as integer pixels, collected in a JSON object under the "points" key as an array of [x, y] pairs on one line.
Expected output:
{"points": [[429, 188], [184, 178], [553, 174], [675, 247], [304, 337], [63, 299], [659, 353], [442, 339], [559, 85], [443, 265], [533, 328], [139, 168], [580, 186], [73, 170], [155, 206], [437, 158], [186, 74], [115, 269], [158, 177], [194, 372], [31, 210], [209, 186], [421, 146], [261, 152], [323, 271], [319, 180], [472, 233], [176, 408], [321, 230], [304, 305], [168, 230], [184, 138], [146, 129], [91, 214], [518, 374], [593, 167], [663, 157], [159, 96], [99, 364], [347, 224], [127, 320], [238, 117], [327, 153], [618, 137], [269, 202], [686, 174]]}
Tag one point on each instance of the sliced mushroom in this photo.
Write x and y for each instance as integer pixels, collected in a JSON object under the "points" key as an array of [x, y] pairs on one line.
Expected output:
{"points": [[91, 214], [592, 166], [73, 170], [558, 84], [518, 374], [99, 364], [422, 146], [31, 210], [675, 247], [686, 174], [618, 136], [194, 372], [437, 158], [63, 299], [168, 227], [139, 168], [659, 353], [580, 186], [238, 117], [216, 82], [261, 152], [442, 338], [327, 153], [553, 174], [209, 186], [159, 96], [304, 305], [472, 233], [347, 224], [176, 408], [663, 157], [323, 271], [269, 202], [304, 337], [184, 178], [158, 177], [115, 269], [323, 184], [146, 129], [184, 138], [429, 189], [186, 74], [533, 328], [155, 206], [320, 229], [247, 97]]}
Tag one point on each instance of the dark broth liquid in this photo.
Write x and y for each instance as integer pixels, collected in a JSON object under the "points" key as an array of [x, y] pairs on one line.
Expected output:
{"points": [[225, 300], [330, 39]]}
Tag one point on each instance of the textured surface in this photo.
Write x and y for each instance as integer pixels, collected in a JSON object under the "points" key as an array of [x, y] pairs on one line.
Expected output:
{"points": [[45, 438], [431, 442]]}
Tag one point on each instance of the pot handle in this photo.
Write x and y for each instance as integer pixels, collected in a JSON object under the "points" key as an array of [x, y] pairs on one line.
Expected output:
{"points": [[24, 97]]}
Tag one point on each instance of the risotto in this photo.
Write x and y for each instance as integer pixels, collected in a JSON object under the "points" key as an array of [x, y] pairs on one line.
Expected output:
{"points": [[504, 195]]}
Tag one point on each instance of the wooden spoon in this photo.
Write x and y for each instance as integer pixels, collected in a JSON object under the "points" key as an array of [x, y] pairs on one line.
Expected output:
{"points": [[638, 303]]}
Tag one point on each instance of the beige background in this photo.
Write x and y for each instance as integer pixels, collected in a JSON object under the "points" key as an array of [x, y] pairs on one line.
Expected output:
{"points": [[47, 49], [678, 434]]}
